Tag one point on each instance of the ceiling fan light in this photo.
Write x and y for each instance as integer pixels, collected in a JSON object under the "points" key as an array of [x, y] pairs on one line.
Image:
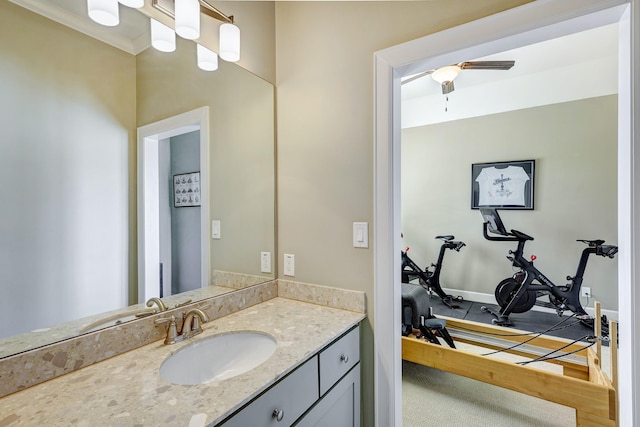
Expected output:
{"points": [[163, 38], [187, 13], [446, 74], [229, 42], [136, 4], [104, 12], [207, 59]]}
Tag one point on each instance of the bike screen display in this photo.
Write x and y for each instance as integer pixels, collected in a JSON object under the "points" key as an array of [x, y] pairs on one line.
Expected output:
{"points": [[493, 220]]}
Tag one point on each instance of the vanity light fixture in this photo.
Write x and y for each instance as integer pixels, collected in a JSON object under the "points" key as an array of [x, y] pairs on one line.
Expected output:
{"points": [[229, 47], [207, 59], [229, 42], [187, 17], [136, 4], [104, 12], [163, 38]]}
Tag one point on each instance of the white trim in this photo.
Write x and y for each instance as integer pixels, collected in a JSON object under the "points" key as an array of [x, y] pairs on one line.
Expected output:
{"points": [[535, 21], [148, 252], [386, 218], [628, 215]]}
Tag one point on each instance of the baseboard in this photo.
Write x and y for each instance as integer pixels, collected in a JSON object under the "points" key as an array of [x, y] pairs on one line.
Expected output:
{"points": [[490, 299]]}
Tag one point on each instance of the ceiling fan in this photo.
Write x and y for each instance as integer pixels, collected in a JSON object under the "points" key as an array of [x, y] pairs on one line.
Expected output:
{"points": [[445, 75]]}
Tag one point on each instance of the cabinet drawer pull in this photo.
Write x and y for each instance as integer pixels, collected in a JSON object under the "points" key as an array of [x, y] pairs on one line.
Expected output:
{"points": [[344, 358], [278, 415]]}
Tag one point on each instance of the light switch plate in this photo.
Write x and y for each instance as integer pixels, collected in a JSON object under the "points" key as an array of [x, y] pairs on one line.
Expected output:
{"points": [[265, 262], [360, 234], [215, 229], [289, 265]]}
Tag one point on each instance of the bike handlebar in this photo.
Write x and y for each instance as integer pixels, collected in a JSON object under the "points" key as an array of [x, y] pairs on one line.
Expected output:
{"points": [[607, 250]]}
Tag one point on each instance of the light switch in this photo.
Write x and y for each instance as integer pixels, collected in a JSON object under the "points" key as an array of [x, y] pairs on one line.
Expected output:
{"points": [[215, 229], [289, 265], [360, 234], [265, 262]]}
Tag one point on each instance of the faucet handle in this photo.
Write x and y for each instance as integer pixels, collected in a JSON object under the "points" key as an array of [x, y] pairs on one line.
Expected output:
{"points": [[172, 330], [183, 303], [191, 325]]}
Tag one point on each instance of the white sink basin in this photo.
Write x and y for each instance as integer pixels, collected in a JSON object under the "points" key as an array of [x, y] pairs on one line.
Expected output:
{"points": [[217, 357]]}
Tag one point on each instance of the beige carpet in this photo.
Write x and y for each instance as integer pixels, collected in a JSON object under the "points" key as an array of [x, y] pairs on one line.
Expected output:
{"points": [[435, 398]]}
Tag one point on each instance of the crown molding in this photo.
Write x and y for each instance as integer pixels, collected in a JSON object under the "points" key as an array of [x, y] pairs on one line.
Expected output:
{"points": [[84, 26]]}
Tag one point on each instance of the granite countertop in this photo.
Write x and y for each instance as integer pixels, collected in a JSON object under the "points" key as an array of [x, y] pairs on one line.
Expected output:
{"points": [[127, 390]]}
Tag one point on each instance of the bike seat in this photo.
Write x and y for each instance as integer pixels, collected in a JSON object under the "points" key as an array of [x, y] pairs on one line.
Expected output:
{"points": [[520, 235], [446, 237], [591, 242]]}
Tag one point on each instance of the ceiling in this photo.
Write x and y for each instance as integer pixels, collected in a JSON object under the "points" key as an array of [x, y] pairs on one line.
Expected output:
{"points": [[578, 66]]}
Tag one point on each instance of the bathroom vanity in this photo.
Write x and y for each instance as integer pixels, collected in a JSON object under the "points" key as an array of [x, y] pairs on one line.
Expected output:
{"points": [[311, 379], [329, 382]]}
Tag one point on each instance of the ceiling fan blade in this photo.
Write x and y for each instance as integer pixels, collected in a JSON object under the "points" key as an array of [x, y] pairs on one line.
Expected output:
{"points": [[487, 65], [417, 76]]}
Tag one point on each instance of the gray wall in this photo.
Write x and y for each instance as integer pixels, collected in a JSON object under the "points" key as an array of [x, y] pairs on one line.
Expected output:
{"points": [[185, 221], [574, 145]]}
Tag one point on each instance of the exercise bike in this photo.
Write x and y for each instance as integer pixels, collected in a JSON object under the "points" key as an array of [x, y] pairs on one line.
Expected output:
{"points": [[519, 293], [430, 280]]}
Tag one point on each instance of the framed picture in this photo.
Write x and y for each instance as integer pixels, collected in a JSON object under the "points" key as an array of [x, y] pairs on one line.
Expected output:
{"points": [[186, 190], [503, 185]]}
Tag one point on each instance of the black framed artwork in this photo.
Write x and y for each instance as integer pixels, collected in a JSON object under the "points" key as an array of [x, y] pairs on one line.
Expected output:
{"points": [[503, 185], [186, 190]]}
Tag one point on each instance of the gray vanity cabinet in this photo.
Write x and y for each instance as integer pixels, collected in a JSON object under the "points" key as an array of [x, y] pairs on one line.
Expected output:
{"points": [[325, 388], [340, 407]]}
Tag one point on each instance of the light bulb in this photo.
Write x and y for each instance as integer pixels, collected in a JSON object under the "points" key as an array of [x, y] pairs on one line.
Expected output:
{"points": [[229, 42], [104, 12], [163, 38], [207, 59], [187, 14], [446, 74], [136, 4]]}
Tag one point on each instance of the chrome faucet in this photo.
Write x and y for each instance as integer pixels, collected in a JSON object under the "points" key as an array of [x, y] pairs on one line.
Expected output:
{"points": [[190, 326], [161, 306]]}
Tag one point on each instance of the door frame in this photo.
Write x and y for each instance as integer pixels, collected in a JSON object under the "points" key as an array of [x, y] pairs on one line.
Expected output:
{"points": [[148, 212], [535, 21]]}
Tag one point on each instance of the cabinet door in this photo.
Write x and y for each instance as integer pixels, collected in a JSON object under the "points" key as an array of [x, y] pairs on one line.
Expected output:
{"points": [[340, 407], [338, 359], [282, 404]]}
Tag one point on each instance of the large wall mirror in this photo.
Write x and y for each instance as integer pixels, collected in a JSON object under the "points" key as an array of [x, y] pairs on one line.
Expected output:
{"points": [[70, 111]]}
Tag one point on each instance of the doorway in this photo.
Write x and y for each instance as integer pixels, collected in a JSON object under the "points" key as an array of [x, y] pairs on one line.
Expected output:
{"points": [[533, 22], [153, 141]]}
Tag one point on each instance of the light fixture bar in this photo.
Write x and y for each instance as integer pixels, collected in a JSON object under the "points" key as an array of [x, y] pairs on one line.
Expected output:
{"points": [[168, 8]]}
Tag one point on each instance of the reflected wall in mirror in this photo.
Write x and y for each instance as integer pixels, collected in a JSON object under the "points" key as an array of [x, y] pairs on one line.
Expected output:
{"points": [[69, 111]]}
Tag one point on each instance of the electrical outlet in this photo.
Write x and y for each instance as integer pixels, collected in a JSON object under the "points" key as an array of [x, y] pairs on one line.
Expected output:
{"points": [[585, 292], [265, 262], [289, 265]]}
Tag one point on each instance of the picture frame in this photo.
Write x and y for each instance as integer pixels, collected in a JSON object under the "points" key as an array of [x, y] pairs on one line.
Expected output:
{"points": [[186, 190], [503, 185]]}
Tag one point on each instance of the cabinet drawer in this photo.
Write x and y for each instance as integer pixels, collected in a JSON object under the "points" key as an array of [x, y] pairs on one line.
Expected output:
{"points": [[293, 396], [337, 359]]}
